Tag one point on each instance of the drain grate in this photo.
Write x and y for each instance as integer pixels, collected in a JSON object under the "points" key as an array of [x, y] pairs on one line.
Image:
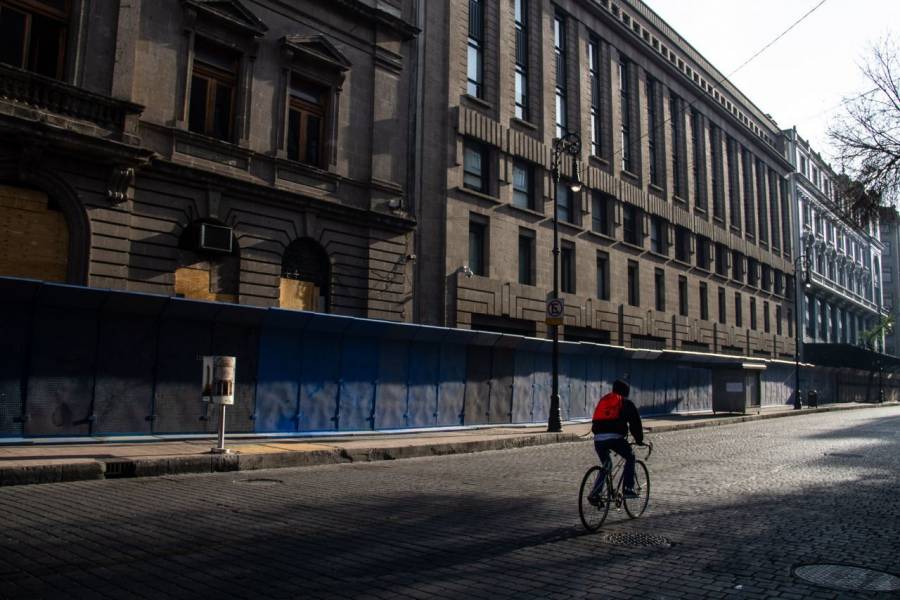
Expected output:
{"points": [[116, 469], [637, 540], [848, 578], [259, 481], [844, 455]]}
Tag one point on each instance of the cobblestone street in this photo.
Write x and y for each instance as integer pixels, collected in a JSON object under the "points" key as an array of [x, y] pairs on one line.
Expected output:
{"points": [[739, 506]]}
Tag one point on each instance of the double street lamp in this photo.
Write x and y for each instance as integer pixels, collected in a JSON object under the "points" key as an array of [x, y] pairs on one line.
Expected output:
{"points": [[804, 264], [569, 144]]}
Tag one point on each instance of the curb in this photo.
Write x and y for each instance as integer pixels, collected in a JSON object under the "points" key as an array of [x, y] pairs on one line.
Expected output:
{"points": [[206, 463]]}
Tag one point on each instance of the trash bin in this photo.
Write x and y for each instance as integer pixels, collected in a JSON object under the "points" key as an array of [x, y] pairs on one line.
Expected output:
{"points": [[812, 398]]}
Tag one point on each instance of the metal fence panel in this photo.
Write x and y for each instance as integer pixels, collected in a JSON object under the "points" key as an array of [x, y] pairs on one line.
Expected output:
{"points": [[577, 376], [15, 320], [478, 385], [452, 391], [320, 377], [278, 390], [179, 406], [543, 386], [523, 387], [123, 395], [60, 386], [393, 377], [503, 366], [424, 368], [359, 370]]}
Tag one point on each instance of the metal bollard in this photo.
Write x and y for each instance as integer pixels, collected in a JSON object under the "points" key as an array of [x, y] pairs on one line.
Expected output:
{"points": [[218, 388]]}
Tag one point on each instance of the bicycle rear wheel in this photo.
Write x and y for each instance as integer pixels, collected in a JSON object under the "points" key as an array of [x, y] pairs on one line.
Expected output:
{"points": [[635, 507], [593, 515]]}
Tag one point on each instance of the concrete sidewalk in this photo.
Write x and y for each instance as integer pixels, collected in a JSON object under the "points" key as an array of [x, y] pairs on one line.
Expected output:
{"points": [[50, 462]]}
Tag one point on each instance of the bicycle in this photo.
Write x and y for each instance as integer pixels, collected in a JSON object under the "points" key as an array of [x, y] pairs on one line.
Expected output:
{"points": [[593, 511]]}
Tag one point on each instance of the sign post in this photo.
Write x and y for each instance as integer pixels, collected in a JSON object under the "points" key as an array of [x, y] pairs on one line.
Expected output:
{"points": [[218, 388]]}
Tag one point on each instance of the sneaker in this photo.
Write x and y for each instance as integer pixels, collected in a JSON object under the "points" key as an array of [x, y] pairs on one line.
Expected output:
{"points": [[630, 494]]}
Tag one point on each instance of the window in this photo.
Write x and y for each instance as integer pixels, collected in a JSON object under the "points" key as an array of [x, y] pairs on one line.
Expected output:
{"points": [[659, 230], [652, 130], [762, 202], [698, 141], [778, 282], [790, 322], [475, 172], [625, 95], [601, 213], [722, 313], [567, 268], [559, 45], [738, 310], [766, 323], [565, 202], [475, 67], [737, 266], [704, 301], [810, 313], [478, 246], [306, 122], [521, 9], [715, 140], [634, 291], [682, 296], [766, 278], [33, 36], [734, 200], [773, 210], [682, 244], [778, 328], [659, 278], [523, 185], [213, 86], [749, 219], [603, 275], [721, 260], [596, 97], [526, 257], [703, 257], [752, 272], [631, 227], [752, 313], [677, 121]]}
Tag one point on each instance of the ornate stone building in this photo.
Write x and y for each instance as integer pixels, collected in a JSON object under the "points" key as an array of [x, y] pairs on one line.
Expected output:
{"points": [[844, 297], [252, 151], [681, 236]]}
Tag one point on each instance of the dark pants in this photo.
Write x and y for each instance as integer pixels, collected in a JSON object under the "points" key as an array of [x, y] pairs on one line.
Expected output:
{"points": [[623, 449]]}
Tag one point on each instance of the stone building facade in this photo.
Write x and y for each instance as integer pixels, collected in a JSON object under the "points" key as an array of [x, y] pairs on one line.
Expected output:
{"points": [[252, 151], [889, 226], [680, 237], [844, 296]]}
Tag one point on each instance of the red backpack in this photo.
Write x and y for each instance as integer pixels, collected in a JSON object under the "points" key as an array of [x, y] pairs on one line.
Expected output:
{"points": [[609, 408]]}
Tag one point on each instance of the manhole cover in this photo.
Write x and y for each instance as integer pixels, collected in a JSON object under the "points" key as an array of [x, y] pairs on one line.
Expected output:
{"points": [[259, 481], [636, 540], [848, 577]]}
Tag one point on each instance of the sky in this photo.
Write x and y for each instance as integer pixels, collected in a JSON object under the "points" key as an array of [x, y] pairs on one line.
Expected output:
{"points": [[802, 79]]}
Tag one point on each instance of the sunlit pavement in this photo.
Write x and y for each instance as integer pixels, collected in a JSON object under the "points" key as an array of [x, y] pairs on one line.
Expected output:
{"points": [[734, 509]]}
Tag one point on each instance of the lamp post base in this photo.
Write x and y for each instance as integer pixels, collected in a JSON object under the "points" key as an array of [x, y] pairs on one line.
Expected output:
{"points": [[554, 424]]}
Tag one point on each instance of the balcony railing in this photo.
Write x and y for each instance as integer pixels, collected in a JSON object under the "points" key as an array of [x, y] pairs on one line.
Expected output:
{"points": [[24, 87]]}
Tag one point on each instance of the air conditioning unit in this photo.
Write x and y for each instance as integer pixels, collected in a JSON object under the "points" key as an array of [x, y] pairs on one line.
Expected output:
{"points": [[215, 238]]}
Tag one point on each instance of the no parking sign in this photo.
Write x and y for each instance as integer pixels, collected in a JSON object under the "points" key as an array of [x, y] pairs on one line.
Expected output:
{"points": [[555, 310]]}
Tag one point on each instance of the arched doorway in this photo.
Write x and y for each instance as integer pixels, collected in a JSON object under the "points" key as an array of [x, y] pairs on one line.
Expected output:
{"points": [[209, 263], [34, 238], [305, 277]]}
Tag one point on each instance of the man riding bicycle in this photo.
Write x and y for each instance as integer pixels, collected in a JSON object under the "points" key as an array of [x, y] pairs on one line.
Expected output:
{"points": [[613, 417]]}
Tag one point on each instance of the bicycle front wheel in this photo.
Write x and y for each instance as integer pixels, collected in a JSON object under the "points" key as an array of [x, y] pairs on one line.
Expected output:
{"points": [[635, 507], [593, 513]]}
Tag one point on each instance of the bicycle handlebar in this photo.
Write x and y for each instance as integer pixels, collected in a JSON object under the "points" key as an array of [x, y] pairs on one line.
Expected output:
{"points": [[648, 445]]}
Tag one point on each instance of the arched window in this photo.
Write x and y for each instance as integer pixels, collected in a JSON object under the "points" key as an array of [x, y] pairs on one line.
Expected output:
{"points": [[34, 238], [209, 263], [305, 276]]}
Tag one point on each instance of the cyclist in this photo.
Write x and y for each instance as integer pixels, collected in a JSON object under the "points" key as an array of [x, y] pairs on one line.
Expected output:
{"points": [[613, 417]]}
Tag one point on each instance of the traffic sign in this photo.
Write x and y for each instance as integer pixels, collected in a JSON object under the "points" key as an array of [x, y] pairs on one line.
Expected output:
{"points": [[555, 311]]}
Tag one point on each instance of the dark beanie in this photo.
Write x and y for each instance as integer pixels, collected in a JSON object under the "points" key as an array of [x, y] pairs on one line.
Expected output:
{"points": [[621, 388]]}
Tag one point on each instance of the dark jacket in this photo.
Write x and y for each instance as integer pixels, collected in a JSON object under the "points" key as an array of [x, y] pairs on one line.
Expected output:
{"points": [[629, 419]]}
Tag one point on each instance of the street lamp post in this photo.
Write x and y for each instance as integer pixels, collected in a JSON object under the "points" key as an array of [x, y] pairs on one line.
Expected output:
{"points": [[569, 144], [804, 263]]}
